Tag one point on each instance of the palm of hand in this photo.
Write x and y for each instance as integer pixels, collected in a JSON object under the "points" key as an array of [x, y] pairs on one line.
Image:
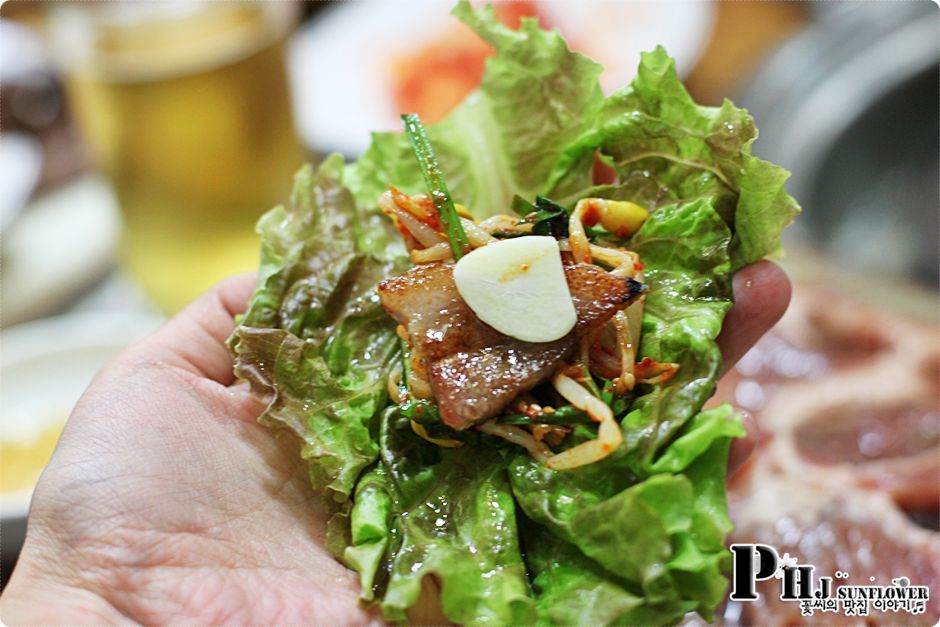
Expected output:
{"points": [[166, 501]]}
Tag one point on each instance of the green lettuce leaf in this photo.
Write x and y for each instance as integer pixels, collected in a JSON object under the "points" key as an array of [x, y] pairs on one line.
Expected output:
{"points": [[640, 502], [574, 590], [654, 547], [666, 149], [315, 339], [453, 521], [369, 529], [684, 249]]}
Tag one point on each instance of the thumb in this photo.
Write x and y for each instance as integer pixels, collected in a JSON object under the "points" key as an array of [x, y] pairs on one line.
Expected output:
{"points": [[194, 339]]}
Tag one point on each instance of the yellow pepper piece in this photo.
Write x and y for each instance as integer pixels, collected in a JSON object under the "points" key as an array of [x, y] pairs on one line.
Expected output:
{"points": [[423, 433], [463, 212], [621, 217]]}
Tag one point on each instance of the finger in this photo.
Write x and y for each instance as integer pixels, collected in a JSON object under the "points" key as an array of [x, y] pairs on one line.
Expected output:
{"points": [[741, 448], [761, 296], [195, 338]]}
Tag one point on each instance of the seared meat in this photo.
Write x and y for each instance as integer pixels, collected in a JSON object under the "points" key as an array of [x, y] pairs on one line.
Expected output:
{"points": [[439, 323], [475, 371], [470, 387], [598, 295], [475, 385]]}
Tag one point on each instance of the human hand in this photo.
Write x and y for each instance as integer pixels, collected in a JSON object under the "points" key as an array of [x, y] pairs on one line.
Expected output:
{"points": [[166, 501]]}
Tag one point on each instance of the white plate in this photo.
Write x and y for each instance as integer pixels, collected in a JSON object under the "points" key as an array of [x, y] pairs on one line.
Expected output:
{"points": [[339, 62], [63, 242], [20, 166]]}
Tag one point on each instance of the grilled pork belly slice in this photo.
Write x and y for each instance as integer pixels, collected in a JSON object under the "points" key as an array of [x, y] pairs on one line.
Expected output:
{"points": [[439, 323], [475, 371]]}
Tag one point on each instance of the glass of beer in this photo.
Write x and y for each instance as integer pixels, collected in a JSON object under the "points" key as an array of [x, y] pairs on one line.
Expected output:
{"points": [[185, 107]]}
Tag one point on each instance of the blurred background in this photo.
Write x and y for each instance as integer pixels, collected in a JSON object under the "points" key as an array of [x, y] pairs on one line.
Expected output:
{"points": [[141, 141]]}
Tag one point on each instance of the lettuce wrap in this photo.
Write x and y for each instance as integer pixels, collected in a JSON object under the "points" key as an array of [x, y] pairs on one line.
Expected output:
{"points": [[636, 538]]}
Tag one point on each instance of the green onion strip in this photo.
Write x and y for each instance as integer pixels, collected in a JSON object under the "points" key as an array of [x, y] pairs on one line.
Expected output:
{"points": [[434, 179]]}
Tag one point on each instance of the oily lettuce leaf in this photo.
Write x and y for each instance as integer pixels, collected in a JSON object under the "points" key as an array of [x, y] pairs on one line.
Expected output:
{"points": [[655, 547], [314, 339], [369, 529], [644, 554], [666, 148], [649, 516], [446, 520], [571, 589], [685, 251]]}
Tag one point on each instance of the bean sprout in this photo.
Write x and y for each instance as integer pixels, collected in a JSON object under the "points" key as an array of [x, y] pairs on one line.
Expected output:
{"points": [[438, 252], [577, 238], [520, 437], [623, 262], [394, 384], [477, 236], [626, 380]]}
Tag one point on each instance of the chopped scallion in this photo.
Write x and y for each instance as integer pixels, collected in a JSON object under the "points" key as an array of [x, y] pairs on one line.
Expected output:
{"points": [[434, 179]]}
